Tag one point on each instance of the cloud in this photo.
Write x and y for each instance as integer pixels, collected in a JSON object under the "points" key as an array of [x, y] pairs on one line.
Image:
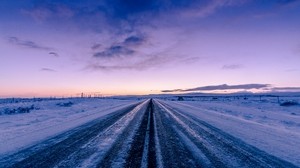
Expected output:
{"points": [[45, 11], [173, 90], [107, 67], [130, 8], [114, 51], [190, 60], [131, 54], [54, 54], [96, 46], [144, 64], [286, 2], [97, 15], [203, 8], [134, 40], [38, 14], [274, 8], [141, 62], [129, 25], [123, 48], [47, 70], [232, 66], [28, 44], [222, 87], [285, 89]]}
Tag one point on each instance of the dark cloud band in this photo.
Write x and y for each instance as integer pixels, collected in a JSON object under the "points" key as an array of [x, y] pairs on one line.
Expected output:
{"points": [[28, 44], [221, 87]]}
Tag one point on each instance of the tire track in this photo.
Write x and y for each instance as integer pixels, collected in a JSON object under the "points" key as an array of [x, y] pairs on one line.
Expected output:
{"points": [[222, 149], [143, 146], [54, 150], [137, 149], [94, 151], [174, 152], [128, 140], [149, 134]]}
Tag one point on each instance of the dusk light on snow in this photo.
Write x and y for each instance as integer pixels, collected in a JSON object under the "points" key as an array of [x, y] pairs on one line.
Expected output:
{"points": [[120, 47]]}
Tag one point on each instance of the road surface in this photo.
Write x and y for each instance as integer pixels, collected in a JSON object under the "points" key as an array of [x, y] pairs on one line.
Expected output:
{"points": [[149, 134]]}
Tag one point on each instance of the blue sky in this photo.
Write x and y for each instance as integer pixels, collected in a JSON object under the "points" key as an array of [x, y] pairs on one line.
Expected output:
{"points": [[144, 47]]}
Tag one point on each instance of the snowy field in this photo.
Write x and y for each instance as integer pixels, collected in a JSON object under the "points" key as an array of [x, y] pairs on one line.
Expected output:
{"points": [[24, 122], [129, 132], [264, 122]]}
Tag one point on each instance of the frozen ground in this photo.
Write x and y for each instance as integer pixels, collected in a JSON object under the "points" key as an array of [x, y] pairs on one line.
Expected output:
{"points": [[261, 122], [48, 118], [205, 132]]}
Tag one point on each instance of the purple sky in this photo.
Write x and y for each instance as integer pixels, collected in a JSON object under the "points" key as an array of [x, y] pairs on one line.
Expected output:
{"points": [[61, 47]]}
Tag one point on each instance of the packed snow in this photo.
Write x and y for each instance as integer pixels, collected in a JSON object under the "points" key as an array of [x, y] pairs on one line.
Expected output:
{"points": [[270, 123], [25, 122], [264, 122]]}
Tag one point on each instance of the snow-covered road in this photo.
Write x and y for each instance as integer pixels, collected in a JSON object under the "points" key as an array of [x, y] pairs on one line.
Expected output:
{"points": [[149, 134]]}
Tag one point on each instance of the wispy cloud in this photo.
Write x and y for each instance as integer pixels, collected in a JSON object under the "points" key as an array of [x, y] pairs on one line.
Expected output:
{"points": [[287, 2], [221, 87], [207, 8], [124, 16], [131, 57], [96, 46], [286, 89], [173, 90], [274, 8], [125, 48], [143, 64], [114, 51], [45, 11], [130, 25], [134, 41], [38, 14], [28, 44], [47, 70], [232, 66], [190, 60], [127, 9], [54, 54]]}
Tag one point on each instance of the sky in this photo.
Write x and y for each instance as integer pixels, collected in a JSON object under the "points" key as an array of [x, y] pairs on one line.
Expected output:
{"points": [[120, 47]]}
